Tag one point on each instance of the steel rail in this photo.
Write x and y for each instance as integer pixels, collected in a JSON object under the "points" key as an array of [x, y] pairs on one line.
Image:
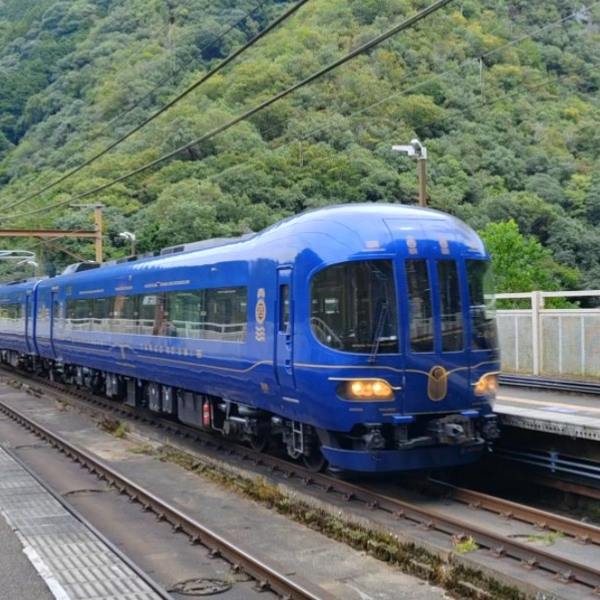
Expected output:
{"points": [[547, 383], [152, 584], [267, 572], [500, 546], [540, 519]]}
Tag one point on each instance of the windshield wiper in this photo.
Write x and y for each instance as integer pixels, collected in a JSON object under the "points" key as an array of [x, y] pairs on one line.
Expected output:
{"points": [[378, 331]]}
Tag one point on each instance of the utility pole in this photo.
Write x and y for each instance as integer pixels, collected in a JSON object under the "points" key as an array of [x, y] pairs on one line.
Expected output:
{"points": [[415, 148], [97, 226]]}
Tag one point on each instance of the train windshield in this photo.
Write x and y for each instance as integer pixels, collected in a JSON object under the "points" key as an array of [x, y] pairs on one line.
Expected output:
{"points": [[354, 309], [482, 305]]}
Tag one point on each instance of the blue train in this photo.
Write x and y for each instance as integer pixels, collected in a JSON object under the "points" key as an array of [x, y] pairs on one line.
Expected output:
{"points": [[359, 336]]}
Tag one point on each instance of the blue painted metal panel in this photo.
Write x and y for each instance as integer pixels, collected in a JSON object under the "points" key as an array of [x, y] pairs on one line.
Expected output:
{"points": [[287, 373]]}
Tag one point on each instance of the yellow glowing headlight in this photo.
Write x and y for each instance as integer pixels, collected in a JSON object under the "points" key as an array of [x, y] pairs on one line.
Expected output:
{"points": [[487, 385], [366, 390]]}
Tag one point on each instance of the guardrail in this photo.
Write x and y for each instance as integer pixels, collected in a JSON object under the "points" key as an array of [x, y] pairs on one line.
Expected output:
{"points": [[559, 342]]}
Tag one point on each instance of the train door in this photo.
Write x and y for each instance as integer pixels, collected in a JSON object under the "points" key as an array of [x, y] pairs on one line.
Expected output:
{"points": [[30, 323], [54, 316], [436, 344], [284, 359]]}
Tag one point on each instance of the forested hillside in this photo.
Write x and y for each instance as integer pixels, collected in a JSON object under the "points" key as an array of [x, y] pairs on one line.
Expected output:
{"points": [[503, 93]]}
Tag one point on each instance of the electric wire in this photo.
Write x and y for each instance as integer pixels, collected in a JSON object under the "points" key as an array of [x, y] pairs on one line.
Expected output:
{"points": [[140, 50], [432, 8], [415, 87], [391, 97], [157, 86], [167, 106], [250, 164], [478, 104], [459, 67]]}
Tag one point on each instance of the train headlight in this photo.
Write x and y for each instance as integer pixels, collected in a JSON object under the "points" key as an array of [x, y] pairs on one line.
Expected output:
{"points": [[487, 385], [366, 390]]}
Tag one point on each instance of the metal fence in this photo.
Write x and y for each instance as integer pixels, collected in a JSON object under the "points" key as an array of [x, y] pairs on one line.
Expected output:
{"points": [[550, 341]]}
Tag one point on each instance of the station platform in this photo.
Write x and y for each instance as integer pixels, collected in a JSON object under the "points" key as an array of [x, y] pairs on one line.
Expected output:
{"points": [[574, 415], [49, 553]]}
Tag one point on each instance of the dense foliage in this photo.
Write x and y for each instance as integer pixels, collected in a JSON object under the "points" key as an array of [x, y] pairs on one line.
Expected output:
{"points": [[503, 93]]}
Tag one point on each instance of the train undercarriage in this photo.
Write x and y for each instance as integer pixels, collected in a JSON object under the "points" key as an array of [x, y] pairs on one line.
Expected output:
{"points": [[263, 430]]}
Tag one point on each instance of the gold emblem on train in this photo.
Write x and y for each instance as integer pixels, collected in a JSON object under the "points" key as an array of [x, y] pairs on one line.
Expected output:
{"points": [[437, 384], [412, 245], [260, 313]]}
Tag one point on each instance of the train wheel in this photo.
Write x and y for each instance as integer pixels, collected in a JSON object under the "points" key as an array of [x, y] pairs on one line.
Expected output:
{"points": [[315, 461], [260, 443]]}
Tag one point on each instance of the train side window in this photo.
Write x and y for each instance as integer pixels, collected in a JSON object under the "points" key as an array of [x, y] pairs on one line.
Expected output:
{"points": [[147, 307], [101, 309], [284, 308], [79, 314], [450, 306], [43, 314], [185, 310], [124, 314], [354, 307], [419, 306], [226, 314]]}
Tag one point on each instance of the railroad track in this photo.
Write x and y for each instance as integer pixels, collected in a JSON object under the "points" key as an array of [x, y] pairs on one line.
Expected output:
{"points": [[551, 466], [549, 383], [514, 541], [266, 571]]}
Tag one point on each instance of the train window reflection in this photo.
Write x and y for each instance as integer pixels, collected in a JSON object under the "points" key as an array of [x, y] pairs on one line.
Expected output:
{"points": [[211, 314], [354, 308], [450, 305], [284, 308], [419, 306], [482, 305], [11, 316]]}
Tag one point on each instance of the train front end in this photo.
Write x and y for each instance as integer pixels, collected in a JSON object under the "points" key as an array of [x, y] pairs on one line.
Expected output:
{"points": [[404, 344]]}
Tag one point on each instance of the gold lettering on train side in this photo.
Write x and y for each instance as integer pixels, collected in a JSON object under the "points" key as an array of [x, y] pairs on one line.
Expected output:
{"points": [[437, 383]]}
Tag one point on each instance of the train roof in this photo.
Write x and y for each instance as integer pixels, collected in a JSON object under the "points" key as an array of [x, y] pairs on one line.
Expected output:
{"points": [[345, 229]]}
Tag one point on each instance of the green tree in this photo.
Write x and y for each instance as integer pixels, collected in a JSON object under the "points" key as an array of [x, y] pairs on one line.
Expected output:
{"points": [[522, 264]]}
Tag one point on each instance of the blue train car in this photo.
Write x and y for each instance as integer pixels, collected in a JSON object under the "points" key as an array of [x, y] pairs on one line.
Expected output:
{"points": [[17, 322], [358, 335]]}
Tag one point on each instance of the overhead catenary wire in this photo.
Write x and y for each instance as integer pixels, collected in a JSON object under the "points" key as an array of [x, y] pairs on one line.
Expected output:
{"points": [[140, 100], [420, 84], [479, 103], [139, 51], [464, 64], [469, 61], [432, 8], [182, 95]]}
